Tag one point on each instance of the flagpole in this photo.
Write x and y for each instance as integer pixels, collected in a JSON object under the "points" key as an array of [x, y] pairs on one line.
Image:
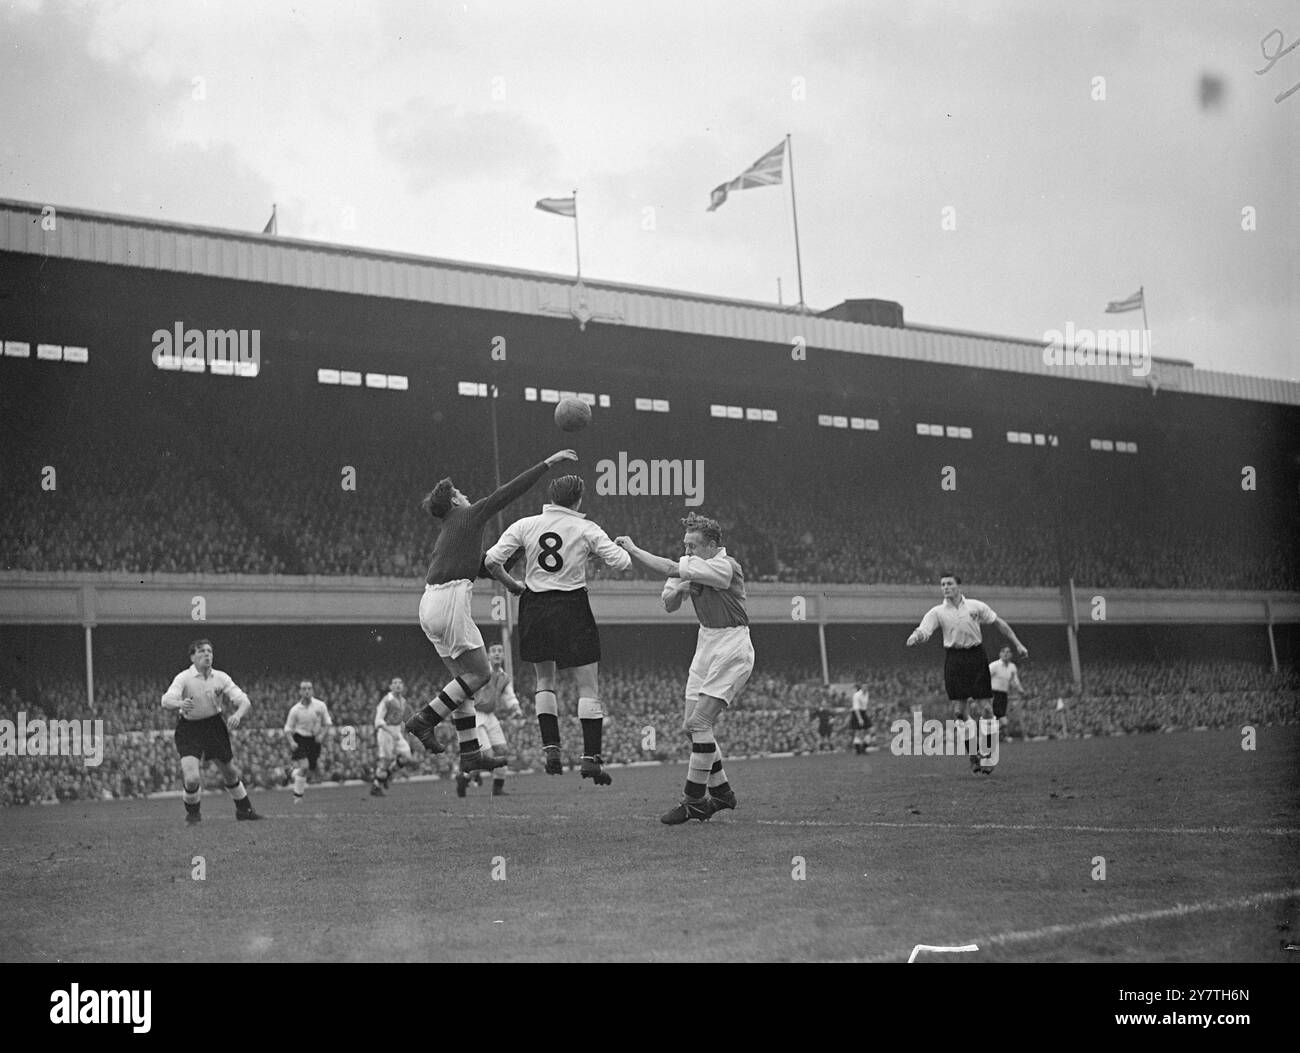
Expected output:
{"points": [[1146, 326], [794, 211], [577, 249]]}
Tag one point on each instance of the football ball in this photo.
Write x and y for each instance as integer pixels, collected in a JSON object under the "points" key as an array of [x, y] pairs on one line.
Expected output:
{"points": [[572, 415]]}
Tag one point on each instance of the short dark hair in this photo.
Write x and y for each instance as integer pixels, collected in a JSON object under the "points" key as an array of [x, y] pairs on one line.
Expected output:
{"points": [[437, 502], [950, 574], [567, 490], [711, 529], [202, 642]]}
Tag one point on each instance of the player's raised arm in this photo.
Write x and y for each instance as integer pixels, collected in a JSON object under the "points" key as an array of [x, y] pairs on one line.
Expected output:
{"points": [[614, 555], [520, 484], [715, 572], [658, 564]]}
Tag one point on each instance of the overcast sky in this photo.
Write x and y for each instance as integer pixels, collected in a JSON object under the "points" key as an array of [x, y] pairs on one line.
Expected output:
{"points": [[433, 127]]}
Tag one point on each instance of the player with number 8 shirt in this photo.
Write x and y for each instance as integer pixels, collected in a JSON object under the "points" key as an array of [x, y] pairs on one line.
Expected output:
{"points": [[556, 626]]}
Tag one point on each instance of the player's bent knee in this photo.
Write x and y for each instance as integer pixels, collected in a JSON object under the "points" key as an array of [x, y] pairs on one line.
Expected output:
{"points": [[699, 723]]}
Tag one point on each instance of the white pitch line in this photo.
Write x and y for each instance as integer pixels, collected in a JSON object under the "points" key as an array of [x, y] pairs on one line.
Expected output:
{"points": [[1180, 910], [1273, 831], [942, 950]]}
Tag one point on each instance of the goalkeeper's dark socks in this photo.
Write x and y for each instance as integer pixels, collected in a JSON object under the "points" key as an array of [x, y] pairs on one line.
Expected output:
{"points": [[695, 790], [244, 805], [191, 809], [549, 724], [591, 735], [721, 790]]}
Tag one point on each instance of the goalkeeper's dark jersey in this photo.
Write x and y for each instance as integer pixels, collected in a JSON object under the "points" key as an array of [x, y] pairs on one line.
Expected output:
{"points": [[458, 552]]}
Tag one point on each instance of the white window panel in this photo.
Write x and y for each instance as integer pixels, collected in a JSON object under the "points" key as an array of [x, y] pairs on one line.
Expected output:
{"points": [[376, 380], [587, 397], [716, 410], [568, 395], [1107, 445], [824, 420], [222, 367], [467, 387], [192, 364], [965, 433], [397, 383], [873, 424], [604, 402], [1013, 436], [840, 422], [18, 349], [952, 431], [922, 429], [530, 394], [1025, 438], [1094, 444], [327, 376], [49, 352], [550, 395], [769, 415], [753, 414], [79, 355], [1040, 439], [246, 369], [735, 413], [350, 378], [857, 424], [645, 405], [660, 405], [1052, 440], [171, 362]]}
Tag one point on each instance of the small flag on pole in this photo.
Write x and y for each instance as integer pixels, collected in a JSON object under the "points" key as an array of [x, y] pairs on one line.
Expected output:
{"points": [[1133, 303], [270, 223], [561, 206], [766, 171]]}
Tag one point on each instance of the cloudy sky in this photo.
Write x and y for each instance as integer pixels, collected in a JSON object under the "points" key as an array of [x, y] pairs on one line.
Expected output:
{"points": [[432, 127]]}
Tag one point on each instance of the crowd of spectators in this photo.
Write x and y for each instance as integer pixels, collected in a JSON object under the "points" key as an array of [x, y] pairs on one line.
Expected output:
{"points": [[782, 712], [317, 500]]}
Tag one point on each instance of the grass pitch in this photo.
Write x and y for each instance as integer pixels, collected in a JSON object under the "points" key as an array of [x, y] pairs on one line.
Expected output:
{"points": [[828, 858]]}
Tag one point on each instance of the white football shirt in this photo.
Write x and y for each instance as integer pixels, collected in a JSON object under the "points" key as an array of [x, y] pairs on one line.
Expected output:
{"points": [[556, 546]]}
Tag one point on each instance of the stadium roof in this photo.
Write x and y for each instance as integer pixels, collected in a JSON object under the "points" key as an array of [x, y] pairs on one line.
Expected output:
{"points": [[126, 241]]}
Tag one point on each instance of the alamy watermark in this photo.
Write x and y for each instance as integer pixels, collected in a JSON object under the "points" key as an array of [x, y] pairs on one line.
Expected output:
{"points": [[219, 350], [53, 738], [641, 478], [945, 738], [1101, 347]]}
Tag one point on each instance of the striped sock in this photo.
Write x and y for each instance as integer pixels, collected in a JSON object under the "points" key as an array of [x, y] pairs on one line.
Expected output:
{"points": [[718, 778], [703, 753], [191, 795], [449, 699], [466, 728]]}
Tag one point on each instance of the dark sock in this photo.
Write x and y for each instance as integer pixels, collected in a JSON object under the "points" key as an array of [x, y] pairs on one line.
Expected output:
{"points": [[695, 791], [721, 790], [549, 724], [591, 731]]}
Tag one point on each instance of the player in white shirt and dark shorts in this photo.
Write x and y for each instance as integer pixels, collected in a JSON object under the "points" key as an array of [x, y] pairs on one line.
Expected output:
{"points": [[203, 731], [724, 655], [1003, 676], [556, 626], [307, 725], [966, 665], [390, 741]]}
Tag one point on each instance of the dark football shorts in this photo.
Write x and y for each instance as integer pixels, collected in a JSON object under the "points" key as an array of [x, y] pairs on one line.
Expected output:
{"points": [[999, 704], [558, 627], [307, 747], [966, 673], [207, 739], [858, 720]]}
